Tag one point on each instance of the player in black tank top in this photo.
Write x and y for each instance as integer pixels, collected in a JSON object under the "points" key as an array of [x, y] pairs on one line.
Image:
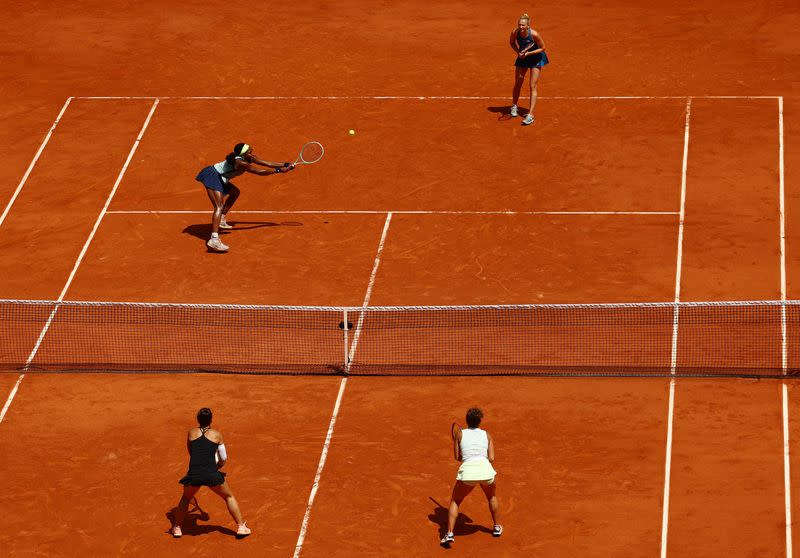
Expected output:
{"points": [[205, 446], [203, 469]]}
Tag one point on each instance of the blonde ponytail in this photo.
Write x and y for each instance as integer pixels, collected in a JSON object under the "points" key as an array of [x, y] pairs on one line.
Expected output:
{"points": [[526, 17]]}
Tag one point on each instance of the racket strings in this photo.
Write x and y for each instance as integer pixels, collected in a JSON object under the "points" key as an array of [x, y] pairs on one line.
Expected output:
{"points": [[311, 152]]}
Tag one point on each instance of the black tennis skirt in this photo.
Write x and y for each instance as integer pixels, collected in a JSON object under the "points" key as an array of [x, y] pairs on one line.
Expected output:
{"points": [[211, 478]]}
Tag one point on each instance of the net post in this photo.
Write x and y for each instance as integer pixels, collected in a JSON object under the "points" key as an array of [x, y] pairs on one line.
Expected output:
{"points": [[346, 328]]}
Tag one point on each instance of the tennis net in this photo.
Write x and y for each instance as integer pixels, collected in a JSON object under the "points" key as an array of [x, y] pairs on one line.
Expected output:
{"points": [[750, 338]]}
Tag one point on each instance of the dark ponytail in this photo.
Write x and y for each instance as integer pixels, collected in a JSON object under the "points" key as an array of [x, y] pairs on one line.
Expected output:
{"points": [[204, 417]]}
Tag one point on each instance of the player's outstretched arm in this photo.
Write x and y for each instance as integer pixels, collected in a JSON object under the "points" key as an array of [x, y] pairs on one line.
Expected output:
{"points": [[252, 169], [263, 163]]}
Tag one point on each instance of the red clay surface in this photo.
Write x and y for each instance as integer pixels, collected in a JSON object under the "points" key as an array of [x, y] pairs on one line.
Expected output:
{"points": [[329, 255], [730, 246], [794, 435], [87, 448], [58, 206], [590, 155], [727, 480], [727, 475], [18, 142], [7, 381], [435, 259], [96, 458], [591, 485]]}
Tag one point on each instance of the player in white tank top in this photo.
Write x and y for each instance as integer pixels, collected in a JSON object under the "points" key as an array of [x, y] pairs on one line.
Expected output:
{"points": [[474, 448], [474, 445]]}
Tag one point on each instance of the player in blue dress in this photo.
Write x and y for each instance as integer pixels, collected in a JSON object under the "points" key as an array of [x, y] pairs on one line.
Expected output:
{"points": [[531, 55], [223, 193]]}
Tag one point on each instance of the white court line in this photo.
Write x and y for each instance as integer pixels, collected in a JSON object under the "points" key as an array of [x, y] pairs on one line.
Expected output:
{"points": [[33, 162], [376, 264], [322, 459], [11, 397], [787, 477], [384, 212], [674, 352], [681, 220], [782, 212], [80, 256], [326, 446], [499, 98], [787, 471]]}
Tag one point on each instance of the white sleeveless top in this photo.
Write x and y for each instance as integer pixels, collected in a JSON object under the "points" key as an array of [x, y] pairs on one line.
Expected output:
{"points": [[227, 170], [474, 444]]}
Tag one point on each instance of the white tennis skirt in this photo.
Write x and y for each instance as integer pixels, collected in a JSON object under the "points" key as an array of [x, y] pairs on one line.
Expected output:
{"points": [[478, 470]]}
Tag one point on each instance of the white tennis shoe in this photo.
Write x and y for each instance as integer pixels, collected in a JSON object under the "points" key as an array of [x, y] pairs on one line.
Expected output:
{"points": [[223, 224], [514, 111], [528, 120], [176, 532], [497, 531], [242, 531], [215, 244], [448, 539]]}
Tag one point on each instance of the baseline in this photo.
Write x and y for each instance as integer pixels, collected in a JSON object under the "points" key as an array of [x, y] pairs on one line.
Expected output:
{"points": [[421, 97], [383, 212]]}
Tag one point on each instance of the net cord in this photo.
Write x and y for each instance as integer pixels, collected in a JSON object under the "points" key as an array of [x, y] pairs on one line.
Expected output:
{"points": [[339, 309]]}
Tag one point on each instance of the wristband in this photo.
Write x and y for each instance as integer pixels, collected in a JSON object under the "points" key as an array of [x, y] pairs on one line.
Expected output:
{"points": [[278, 170], [286, 164]]}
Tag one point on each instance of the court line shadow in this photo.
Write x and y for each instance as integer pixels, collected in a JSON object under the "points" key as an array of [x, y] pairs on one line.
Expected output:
{"points": [[192, 529], [464, 525]]}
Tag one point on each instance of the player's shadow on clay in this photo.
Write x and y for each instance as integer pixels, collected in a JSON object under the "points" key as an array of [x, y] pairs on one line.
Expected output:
{"points": [[504, 112], [190, 526], [203, 231], [464, 525]]}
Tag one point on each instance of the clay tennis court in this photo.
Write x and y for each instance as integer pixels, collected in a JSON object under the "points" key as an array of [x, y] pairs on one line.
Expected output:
{"points": [[645, 179]]}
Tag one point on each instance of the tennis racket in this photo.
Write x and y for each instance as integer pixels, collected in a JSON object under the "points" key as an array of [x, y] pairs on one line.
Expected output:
{"points": [[532, 46], [455, 431], [203, 513], [311, 153]]}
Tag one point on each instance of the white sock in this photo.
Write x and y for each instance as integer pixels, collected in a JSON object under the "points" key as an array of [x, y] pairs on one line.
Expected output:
{"points": [[214, 235]]}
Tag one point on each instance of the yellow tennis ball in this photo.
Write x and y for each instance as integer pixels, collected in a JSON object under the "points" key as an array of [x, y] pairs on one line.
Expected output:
{"points": [[352, 132]]}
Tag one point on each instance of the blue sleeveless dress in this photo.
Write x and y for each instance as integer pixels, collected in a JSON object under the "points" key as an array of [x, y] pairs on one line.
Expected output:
{"points": [[533, 61]]}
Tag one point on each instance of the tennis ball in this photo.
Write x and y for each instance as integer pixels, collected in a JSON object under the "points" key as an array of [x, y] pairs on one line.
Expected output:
{"points": [[352, 132]]}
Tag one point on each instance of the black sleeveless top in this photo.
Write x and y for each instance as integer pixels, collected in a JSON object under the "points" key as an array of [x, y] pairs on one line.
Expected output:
{"points": [[202, 465]]}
